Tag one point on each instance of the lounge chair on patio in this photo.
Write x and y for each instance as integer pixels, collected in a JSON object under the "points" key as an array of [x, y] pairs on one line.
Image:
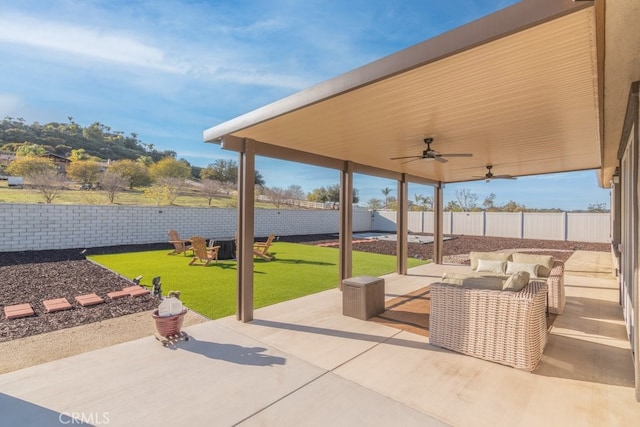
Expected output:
{"points": [[261, 249], [202, 253], [181, 246]]}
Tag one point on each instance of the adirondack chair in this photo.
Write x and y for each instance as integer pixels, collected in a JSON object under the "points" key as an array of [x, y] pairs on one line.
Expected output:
{"points": [[181, 246], [261, 249], [202, 253]]}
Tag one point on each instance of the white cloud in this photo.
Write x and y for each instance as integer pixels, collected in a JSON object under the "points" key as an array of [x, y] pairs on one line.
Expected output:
{"points": [[86, 42]]}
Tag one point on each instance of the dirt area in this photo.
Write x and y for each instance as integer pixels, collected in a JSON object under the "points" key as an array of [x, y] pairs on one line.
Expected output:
{"points": [[31, 277]]}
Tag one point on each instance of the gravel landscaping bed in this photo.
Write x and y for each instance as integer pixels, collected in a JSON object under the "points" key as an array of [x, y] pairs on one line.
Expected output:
{"points": [[32, 277]]}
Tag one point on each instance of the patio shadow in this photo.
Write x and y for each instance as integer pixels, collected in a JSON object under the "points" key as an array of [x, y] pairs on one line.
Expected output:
{"points": [[17, 412], [233, 353], [346, 334]]}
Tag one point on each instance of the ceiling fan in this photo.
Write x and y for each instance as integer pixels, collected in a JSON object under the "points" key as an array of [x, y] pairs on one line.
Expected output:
{"points": [[490, 176], [430, 154]]}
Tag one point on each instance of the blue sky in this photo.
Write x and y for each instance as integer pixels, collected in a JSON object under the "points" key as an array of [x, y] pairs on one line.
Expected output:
{"points": [[167, 70]]}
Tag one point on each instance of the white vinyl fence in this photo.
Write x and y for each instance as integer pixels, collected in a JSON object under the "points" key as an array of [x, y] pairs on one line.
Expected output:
{"points": [[41, 227], [575, 227]]}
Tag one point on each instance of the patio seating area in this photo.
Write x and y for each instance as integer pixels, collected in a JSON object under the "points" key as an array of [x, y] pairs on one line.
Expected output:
{"points": [[302, 362]]}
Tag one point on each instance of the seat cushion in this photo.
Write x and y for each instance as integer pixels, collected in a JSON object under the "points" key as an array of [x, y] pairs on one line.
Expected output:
{"points": [[483, 282]]}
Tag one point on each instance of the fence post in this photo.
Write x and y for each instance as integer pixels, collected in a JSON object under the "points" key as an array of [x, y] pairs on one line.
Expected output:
{"points": [[521, 225], [565, 226], [484, 223]]}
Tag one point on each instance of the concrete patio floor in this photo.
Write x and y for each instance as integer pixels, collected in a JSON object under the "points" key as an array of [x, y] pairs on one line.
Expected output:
{"points": [[302, 363]]}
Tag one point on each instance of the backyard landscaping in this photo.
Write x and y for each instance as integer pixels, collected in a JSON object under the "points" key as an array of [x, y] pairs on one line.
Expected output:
{"points": [[301, 267]]}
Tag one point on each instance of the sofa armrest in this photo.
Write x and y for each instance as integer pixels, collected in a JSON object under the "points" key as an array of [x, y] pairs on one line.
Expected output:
{"points": [[501, 326], [555, 282]]}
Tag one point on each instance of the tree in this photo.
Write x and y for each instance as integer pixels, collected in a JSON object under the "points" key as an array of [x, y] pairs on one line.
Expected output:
{"points": [[49, 183], [30, 166], [424, 203], [598, 207], [386, 191], [113, 183], [512, 206], [452, 206], [226, 171], [79, 154], [174, 187], [157, 193], [489, 202], [374, 204], [277, 195], [137, 172], [170, 168], [85, 171], [221, 170], [329, 194], [28, 149], [467, 200], [295, 192], [209, 189]]}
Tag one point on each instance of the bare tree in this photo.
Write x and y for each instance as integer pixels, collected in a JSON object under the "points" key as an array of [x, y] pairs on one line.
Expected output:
{"points": [[295, 192], [174, 187], [113, 183], [466, 199], [210, 188], [49, 183], [277, 195], [374, 204]]}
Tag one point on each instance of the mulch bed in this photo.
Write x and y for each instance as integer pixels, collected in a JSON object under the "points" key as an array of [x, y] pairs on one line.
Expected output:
{"points": [[34, 276]]}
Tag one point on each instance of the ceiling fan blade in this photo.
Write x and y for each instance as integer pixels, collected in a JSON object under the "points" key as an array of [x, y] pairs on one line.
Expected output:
{"points": [[411, 160], [504, 177], [440, 159], [457, 155], [405, 157]]}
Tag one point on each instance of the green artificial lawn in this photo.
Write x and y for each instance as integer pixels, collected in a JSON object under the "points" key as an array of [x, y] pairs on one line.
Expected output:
{"points": [[298, 270]]}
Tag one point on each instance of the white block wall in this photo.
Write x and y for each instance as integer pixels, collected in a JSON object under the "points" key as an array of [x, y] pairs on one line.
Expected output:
{"points": [[41, 227], [588, 227], [504, 224]]}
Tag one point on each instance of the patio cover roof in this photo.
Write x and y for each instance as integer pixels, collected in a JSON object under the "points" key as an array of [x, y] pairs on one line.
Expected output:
{"points": [[520, 89]]}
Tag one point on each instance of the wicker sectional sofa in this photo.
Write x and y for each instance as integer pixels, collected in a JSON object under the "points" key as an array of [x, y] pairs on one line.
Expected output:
{"points": [[500, 326], [550, 270]]}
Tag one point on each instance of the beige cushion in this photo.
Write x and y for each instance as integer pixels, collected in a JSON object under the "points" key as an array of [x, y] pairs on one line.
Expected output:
{"points": [[491, 266], [491, 256], [514, 267], [487, 282], [516, 281], [545, 261], [454, 278]]}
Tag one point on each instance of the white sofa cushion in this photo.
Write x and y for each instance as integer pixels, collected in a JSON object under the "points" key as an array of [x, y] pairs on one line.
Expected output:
{"points": [[544, 261], [491, 266], [514, 267]]}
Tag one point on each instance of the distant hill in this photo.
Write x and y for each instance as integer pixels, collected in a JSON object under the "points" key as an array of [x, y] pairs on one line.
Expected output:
{"points": [[96, 139]]}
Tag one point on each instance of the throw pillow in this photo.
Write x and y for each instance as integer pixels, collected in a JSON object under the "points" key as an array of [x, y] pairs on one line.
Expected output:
{"points": [[495, 256], [516, 282], [491, 266], [514, 267], [544, 261]]}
